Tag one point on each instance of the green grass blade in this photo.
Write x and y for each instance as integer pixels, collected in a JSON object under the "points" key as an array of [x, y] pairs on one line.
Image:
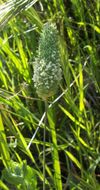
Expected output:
{"points": [[81, 89], [22, 141], [3, 144], [3, 186], [74, 159], [72, 117], [55, 154]]}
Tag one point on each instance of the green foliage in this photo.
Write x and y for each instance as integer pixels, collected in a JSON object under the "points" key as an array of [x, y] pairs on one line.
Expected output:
{"points": [[20, 175], [72, 142]]}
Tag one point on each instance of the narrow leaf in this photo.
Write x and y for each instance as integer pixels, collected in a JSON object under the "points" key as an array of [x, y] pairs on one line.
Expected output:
{"points": [[73, 159]]}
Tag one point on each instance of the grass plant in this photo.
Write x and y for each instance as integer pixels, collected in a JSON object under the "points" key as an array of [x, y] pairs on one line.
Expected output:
{"points": [[72, 148]]}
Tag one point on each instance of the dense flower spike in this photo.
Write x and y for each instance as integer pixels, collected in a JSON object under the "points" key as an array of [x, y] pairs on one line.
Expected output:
{"points": [[47, 70]]}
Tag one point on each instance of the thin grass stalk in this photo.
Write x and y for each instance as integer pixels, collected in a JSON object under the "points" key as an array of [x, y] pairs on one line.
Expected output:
{"points": [[44, 145]]}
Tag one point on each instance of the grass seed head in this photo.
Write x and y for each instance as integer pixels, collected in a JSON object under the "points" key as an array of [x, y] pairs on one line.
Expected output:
{"points": [[47, 69]]}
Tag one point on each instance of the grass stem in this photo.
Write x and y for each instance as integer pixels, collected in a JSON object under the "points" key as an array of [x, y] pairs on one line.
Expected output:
{"points": [[44, 147]]}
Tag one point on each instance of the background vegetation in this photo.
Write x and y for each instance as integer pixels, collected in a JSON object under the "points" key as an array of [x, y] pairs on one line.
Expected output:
{"points": [[73, 119]]}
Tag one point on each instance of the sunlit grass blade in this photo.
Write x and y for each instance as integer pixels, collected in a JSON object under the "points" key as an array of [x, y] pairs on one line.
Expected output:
{"points": [[11, 8], [3, 186], [33, 17], [85, 144], [55, 153], [74, 159], [22, 141], [3, 144], [72, 117], [81, 89]]}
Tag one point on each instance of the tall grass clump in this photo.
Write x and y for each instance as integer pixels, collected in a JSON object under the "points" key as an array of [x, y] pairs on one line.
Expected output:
{"points": [[37, 39]]}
